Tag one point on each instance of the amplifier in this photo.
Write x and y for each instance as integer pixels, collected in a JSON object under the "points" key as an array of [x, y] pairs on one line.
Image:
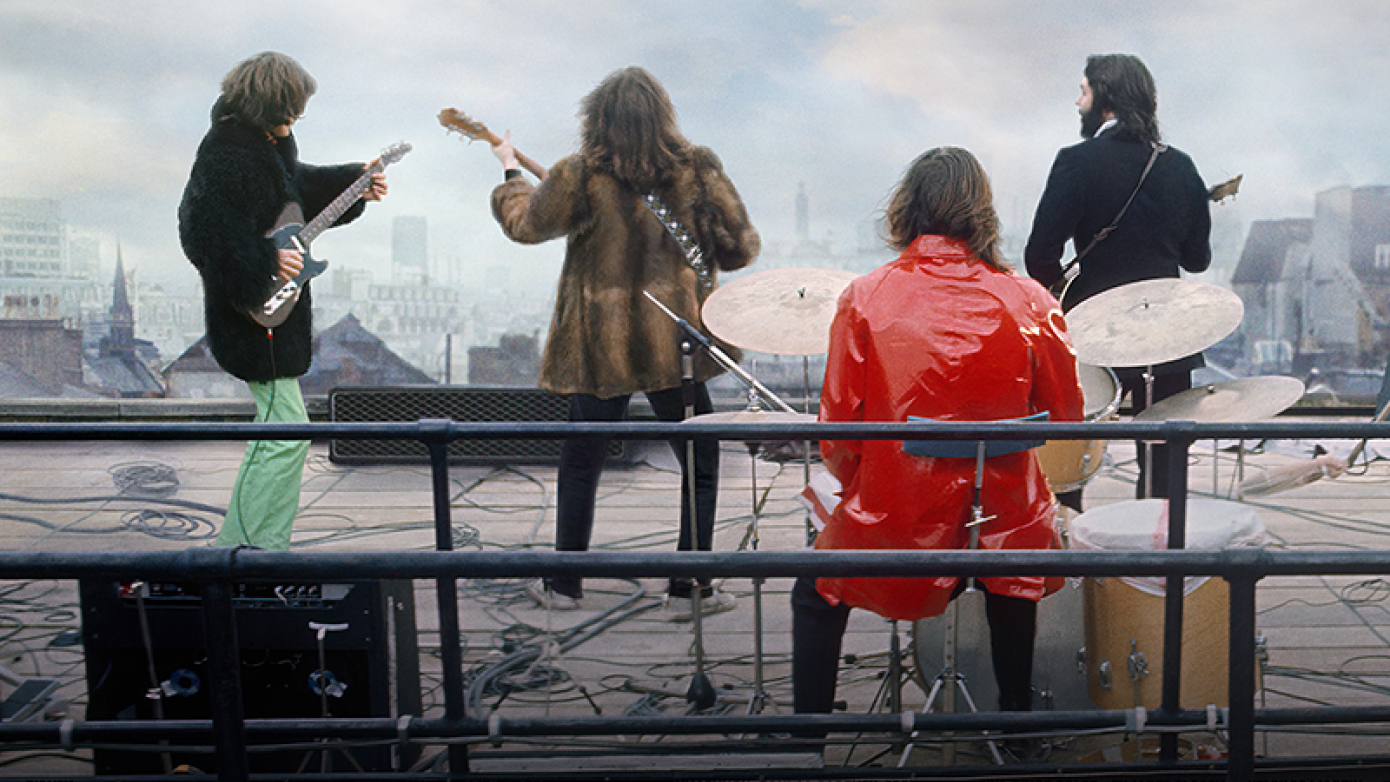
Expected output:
{"points": [[458, 403], [372, 665]]}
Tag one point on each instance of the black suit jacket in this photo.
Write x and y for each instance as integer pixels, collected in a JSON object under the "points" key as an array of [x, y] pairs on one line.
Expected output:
{"points": [[1166, 228]]}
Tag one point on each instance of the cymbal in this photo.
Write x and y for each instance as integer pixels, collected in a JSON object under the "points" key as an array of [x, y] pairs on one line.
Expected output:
{"points": [[1244, 399], [780, 311], [753, 417], [1152, 321]]}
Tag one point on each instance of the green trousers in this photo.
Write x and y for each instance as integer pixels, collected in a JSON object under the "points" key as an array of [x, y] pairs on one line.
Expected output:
{"points": [[266, 495]]}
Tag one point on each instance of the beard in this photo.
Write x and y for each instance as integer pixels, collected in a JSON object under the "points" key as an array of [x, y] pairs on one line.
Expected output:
{"points": [[1091, 122]]}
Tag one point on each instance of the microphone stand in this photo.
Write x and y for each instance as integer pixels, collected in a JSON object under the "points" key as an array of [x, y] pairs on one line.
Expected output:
{"points": [[722, 357]]}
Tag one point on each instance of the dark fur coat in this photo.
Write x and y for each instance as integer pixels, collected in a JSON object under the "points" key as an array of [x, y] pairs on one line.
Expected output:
{"points": [[605, 337], [239, 184]]}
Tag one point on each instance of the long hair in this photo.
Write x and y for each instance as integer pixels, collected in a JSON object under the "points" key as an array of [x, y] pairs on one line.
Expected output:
{"points": [[264, 91], [946, 192], [630, 130], [1121, 84]]}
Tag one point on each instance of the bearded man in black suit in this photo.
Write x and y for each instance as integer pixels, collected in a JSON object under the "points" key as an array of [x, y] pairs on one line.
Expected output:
{"points": [[1164, 229]]}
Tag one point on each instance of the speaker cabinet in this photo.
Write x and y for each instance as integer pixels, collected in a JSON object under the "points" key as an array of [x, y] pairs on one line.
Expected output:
{"points": [[458, 403], [372, 666]]}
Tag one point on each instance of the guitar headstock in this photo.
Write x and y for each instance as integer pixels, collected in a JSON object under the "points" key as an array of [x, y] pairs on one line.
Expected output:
{"points": [[455, 120], [394, 153], [1227, 189]]}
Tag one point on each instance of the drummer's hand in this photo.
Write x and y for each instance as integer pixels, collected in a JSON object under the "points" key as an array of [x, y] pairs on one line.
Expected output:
{"points": [[506, 153]]}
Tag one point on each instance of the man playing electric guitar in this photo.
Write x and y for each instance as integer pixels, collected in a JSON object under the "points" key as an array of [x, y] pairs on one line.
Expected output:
{"points": [[246, 172], [1121, 182]]}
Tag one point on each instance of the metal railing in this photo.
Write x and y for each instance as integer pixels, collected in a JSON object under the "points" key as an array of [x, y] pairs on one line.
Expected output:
{"points": [[217, 570]]}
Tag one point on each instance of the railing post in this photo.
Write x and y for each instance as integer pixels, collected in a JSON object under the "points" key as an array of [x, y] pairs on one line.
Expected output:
{"points": [[435, 434], [1241, 689], [224, 672], [1177, 449]]}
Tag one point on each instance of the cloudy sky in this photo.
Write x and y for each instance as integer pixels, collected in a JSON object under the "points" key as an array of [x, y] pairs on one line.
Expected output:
{"points": [[102, 104]]}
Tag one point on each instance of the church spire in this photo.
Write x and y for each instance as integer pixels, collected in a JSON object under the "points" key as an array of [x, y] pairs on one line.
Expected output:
{"points": [[121, 315]]}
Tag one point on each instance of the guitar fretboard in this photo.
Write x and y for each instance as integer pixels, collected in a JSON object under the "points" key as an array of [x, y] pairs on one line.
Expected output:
{"points": [[341, 204]]}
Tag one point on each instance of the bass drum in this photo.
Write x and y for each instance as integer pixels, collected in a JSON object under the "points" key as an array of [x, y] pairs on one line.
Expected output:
{"points": [[1070, 464], [1059, 681]]}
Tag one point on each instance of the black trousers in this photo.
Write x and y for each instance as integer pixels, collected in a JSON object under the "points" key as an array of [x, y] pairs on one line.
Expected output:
{"points": [[818, 629], [581, 465], [1165, 385]]}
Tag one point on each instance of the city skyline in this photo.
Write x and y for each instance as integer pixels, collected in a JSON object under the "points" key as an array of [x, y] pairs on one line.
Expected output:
{"points": [[102, 106]]}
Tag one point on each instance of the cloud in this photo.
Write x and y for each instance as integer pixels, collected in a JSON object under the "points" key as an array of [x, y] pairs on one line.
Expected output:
{"points": [[102, 105]]}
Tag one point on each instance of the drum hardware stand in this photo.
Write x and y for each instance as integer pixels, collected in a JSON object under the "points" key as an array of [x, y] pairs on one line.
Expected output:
{"points": [[1148, 444], [701, 694], [1138, 668], [760, 697], [951, 679], [700, 689]]}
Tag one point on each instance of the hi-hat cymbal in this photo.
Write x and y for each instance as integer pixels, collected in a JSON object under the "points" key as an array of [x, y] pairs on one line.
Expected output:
{"points": [[753, 417], [1244, 399], [780, 311], [1152, 321]]}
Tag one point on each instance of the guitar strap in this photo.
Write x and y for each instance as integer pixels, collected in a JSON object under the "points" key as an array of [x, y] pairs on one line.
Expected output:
{"points": [[1104, 232], [693, 254]]}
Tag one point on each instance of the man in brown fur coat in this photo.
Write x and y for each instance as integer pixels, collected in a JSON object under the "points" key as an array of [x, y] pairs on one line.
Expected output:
{"points": [[606, 340]]}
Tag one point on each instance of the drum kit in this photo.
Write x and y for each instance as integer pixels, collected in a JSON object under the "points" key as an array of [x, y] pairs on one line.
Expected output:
{"points": [[782, 312], [1142, 325]]}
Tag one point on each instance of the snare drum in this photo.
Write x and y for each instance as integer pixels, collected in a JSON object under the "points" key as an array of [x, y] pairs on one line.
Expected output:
{"points": [[1069, 464]]}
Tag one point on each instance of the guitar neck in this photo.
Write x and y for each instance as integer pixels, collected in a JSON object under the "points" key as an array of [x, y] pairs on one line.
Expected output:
{"points": [[537, 170], [325, 219]]}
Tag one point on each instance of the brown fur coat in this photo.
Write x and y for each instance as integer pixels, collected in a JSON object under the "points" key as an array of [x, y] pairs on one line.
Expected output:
{"points": [[605, 338]]}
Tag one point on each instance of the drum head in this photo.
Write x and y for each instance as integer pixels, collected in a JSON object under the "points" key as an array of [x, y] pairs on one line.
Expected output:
{"points": [[1100, 390]]}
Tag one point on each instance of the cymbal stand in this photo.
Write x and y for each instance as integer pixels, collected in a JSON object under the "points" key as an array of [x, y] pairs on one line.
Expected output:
{"points": [[701, 694], [1148, 444], [760, 697]]}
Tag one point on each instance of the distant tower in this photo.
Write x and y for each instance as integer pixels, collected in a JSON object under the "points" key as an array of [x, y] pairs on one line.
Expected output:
{"points": [[122, 316], [803, 213], [409, 248]]}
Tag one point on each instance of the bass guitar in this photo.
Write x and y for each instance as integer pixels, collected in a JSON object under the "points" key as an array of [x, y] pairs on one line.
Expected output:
{"points": [[473, 130], [291, 232]]}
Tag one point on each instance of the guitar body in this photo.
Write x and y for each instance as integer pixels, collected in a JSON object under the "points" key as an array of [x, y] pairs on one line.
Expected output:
{"points": [[285, 235]]}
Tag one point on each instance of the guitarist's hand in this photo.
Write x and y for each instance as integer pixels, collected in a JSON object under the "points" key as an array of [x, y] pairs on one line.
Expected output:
{"points": [[506, 153], [291, 263]]}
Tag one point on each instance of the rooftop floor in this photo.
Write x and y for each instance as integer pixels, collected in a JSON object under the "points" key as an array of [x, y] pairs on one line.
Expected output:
{"points": [[1326, 637]]}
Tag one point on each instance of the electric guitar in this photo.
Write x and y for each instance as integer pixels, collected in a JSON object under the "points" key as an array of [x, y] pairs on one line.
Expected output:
{"points": [[1217, 193], [474, 130], [291, 231]]}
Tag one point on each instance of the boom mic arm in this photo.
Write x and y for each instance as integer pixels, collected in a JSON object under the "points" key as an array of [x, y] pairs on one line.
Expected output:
{"points": [[721, 357]]}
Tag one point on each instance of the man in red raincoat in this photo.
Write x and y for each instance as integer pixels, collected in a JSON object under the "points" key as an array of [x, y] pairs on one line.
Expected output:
{"points": [[948, 332]]}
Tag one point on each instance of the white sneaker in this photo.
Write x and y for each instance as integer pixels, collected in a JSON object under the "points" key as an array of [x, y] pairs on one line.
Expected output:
{"points": [[547, 598], [682, 609]]}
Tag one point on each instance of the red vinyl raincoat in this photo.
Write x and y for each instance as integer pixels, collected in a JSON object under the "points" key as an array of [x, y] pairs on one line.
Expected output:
{"points": [[939, 334]]}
